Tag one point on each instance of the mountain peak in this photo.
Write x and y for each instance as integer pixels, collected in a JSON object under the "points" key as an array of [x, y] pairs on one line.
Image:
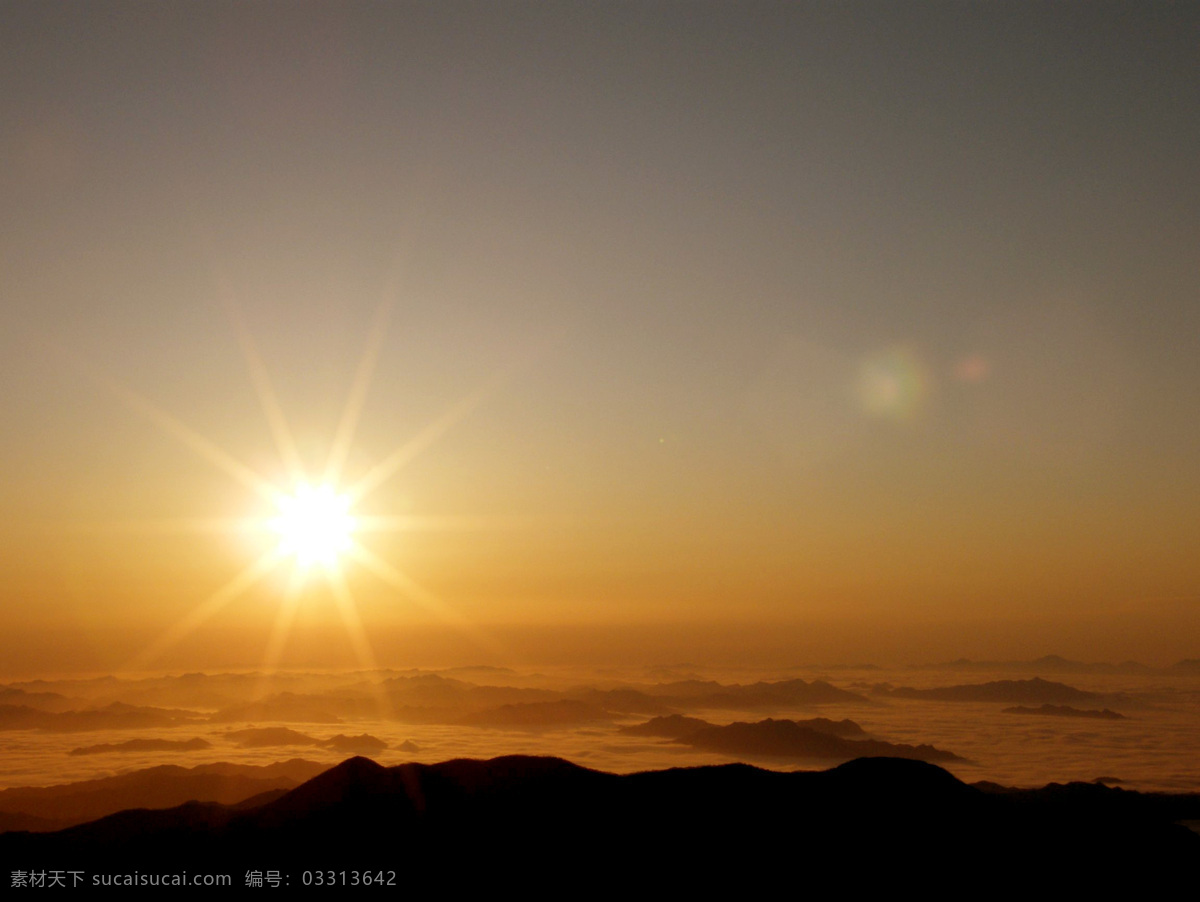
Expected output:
{"points": [[353, 777]]}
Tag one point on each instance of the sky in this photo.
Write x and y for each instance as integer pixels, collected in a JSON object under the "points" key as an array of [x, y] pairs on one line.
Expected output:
{"points": [[792, 331]]}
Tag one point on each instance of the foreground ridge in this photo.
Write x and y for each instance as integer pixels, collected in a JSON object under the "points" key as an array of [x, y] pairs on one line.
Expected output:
{"points": [[360, 814]]}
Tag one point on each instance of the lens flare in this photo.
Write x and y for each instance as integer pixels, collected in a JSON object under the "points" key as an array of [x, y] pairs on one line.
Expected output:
{"points": [[893, 385]]}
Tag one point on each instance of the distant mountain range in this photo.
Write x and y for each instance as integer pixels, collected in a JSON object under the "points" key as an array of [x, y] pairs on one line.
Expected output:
{"points": [[114, 716], [805, 739], [55, 807], [546, 824], [1059, 664], [817, 737], [269, 737], [1035, 690], [144, 745], [1066, 711], [780, 694], [425, 698]]}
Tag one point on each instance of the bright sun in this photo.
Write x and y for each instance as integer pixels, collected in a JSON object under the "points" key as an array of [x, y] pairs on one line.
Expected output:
{"points": [[313, 521], [314, 525]]}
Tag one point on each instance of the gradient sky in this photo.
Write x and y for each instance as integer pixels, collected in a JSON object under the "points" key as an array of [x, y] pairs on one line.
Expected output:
{"points": [[837, 329]]}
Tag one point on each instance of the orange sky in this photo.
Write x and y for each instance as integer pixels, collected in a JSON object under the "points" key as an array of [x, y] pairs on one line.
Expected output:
{"points": [[803, 332]]}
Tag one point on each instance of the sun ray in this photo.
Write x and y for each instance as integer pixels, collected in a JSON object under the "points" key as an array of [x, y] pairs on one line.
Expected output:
{"points": [[194, 440], [398, 580], [388, 467], [350, 618], [282, 627], [207, 608], [259, 377], [414, 590], [358, 394], [357, 634], [314, 534], [422, 523], [170, 525]]}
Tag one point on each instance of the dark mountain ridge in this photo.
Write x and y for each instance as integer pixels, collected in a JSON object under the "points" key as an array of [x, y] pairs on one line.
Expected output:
{"points": [[163, 786], [467, 820], [792, 739]]}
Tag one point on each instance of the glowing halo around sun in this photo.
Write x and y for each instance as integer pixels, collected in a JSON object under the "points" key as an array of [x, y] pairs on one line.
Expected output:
{"points": [[313, 521]]}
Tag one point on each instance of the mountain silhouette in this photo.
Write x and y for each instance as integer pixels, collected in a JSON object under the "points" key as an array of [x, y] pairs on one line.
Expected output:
{"points": [[672, 726], [164, 786], [543, 821], [1065, 711], [115, 716], [1035, 690], [820, 738], [677, 726], [539, 715], [144, 745], [780, 694]]}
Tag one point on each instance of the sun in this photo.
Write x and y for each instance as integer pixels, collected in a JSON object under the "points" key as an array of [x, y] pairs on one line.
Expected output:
{"points": [[313, 520], [314, 525]]}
